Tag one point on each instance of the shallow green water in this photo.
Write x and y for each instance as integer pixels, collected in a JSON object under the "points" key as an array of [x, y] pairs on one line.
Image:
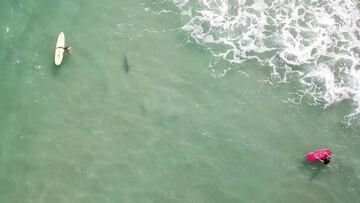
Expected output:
{"points": [[166, 131]]}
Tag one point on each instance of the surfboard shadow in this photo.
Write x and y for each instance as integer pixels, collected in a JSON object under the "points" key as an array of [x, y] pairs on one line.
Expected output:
{"points": [[316, 168]]}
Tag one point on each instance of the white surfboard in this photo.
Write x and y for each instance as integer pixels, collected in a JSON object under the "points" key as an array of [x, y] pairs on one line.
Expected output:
{"points": [[59, 49]]}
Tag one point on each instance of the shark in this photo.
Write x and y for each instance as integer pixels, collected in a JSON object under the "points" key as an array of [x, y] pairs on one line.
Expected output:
{"points": [[126, 64]]}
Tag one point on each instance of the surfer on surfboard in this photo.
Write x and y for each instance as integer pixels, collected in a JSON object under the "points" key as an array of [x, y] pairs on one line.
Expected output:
{"points": [[67, 49]]}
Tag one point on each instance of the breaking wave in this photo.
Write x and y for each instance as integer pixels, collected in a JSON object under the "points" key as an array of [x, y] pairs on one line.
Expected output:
{"points": [[315, 42]]}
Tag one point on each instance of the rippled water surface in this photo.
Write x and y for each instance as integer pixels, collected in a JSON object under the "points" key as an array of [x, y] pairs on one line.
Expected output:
{"points": [[179, 101]]}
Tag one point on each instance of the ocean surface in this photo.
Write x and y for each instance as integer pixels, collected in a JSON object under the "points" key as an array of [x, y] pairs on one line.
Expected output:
{"points": [[179, 101]]}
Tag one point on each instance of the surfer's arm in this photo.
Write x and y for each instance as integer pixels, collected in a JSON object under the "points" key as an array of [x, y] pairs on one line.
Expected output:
{"points": [[66, 47]]}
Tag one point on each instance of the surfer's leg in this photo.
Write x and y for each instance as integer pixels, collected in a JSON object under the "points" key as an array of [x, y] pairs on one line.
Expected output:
{"points": [[68, 50]]}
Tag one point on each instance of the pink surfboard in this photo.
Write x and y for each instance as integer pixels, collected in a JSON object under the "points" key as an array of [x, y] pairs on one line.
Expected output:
{"points": [[318, 154]]}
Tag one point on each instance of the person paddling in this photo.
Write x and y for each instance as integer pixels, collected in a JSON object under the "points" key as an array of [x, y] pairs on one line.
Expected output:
{"points": [[322, 155]]}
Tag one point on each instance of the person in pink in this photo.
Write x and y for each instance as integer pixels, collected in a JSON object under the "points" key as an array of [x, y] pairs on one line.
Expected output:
{"points": [[323, 155]]}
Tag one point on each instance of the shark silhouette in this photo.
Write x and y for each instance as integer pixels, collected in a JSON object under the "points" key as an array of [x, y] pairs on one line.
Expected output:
{"points": [[126, 64]]}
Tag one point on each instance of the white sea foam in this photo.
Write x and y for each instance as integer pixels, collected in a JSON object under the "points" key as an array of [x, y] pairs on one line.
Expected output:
{"points": [[315, 41]]}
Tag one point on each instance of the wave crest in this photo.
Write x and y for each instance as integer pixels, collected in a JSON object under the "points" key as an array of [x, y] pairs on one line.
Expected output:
{"points": [[317, 41]]}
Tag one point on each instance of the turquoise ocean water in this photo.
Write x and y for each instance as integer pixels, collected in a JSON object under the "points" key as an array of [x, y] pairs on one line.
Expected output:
{"points": [[221, 101]]}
